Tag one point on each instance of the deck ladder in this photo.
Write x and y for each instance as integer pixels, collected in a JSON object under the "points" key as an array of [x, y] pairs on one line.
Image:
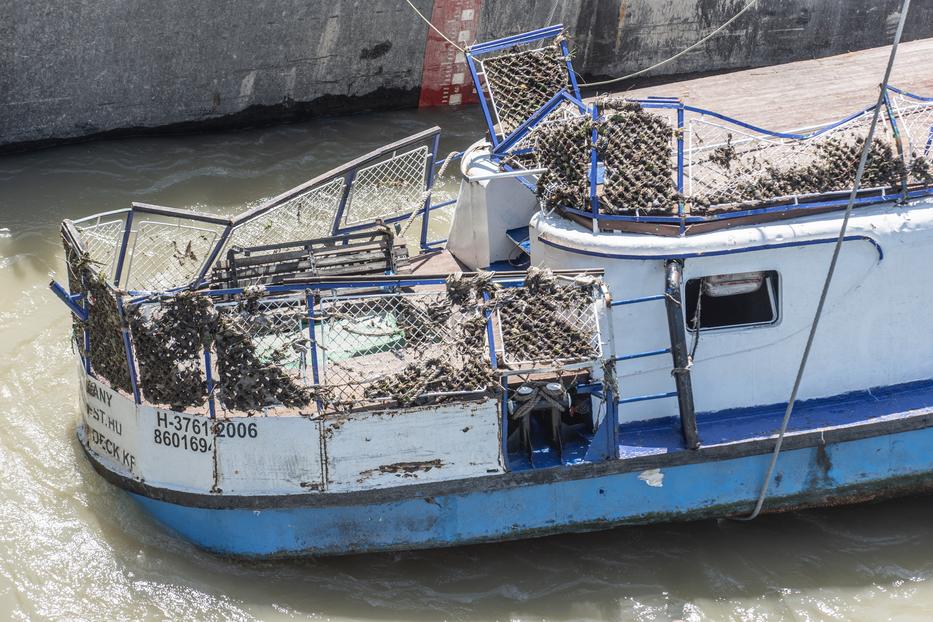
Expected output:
{"points": [[677, 349]]}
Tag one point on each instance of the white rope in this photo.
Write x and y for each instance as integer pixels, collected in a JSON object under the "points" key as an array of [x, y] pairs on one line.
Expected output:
{"points": [[679, 54], [832, 268], [433, 27]]}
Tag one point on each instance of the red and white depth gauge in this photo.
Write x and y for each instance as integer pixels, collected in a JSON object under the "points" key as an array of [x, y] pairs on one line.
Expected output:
{"points": [[445, 78]]}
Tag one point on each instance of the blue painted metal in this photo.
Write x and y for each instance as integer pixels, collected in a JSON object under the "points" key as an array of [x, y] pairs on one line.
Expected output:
{"points": [[521, 237], [570, 72], [121, 254], [312, 346], [633, 301], [520, 39], [641, 355], [731, 251], [128, 347], [680, 168], [646, 398], [490, 123], [536, 509], [209, 379], [429, 183], [213, 256], [342, 205], [909, 94], [594, 164], [69, 301], [489, 333]]}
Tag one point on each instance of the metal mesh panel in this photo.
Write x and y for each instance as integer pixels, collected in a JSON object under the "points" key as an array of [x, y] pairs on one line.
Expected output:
{"points": [[636, 148], [523, 154], [389, 188], [102, 241], [915, 120], [261, 346], [730, 164], [169, 340], [520, 82], [564, 149], [108, 354], [167, 254], [400, 346], [547, 323], [305, 217]]}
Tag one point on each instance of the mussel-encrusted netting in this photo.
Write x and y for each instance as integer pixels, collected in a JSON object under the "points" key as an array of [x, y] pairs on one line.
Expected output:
{"points": [[402, 347], [724, 168], [521, 81], [727, 169], [635, 149], [251, 365], [547, 322], [103, 326], [258, 350], [170, 339]]}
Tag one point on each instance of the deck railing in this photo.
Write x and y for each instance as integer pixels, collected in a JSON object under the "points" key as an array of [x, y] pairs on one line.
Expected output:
{"points": [[718, 167], [155, 248]]}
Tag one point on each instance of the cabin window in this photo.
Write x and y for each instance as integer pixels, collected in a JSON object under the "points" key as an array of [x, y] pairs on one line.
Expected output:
{"points": [[730, 300]]}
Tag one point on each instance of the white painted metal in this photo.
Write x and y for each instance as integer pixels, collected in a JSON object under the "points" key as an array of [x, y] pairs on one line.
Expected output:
{"points": [[284, 454], [485, 210], [415, 445], [872, 333]]}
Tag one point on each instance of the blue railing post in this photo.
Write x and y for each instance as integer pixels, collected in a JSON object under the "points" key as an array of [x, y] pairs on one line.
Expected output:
{"points": [[570, 72], [481, 92], [86, 303], [344, 197], [426, 217], [121, 256], [127, 347], [892, 119], [680, 167], [312, 345], [594, 165], [209, 379]]}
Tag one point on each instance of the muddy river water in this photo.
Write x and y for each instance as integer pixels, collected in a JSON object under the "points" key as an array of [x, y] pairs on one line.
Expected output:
{"points": [[73, 547]]}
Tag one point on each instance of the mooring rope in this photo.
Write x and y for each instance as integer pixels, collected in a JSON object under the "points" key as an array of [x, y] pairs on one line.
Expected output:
{"points": [[832, 267], [678, 54], [433, 27]]}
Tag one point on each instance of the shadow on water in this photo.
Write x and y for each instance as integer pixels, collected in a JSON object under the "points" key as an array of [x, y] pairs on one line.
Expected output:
{"points": [[72, 546]]}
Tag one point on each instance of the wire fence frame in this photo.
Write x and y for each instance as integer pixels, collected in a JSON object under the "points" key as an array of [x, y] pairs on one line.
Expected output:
{"points": [[487, 96], [913, 115]]}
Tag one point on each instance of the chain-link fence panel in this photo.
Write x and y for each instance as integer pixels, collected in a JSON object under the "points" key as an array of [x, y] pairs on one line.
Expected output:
{"points": [[261, 346], [389, 188], [519, 82], [915, 121], [167, 254], [549, 322], [101, 240], [401, 347], [307, 216], [728, 164], [169, 339]]}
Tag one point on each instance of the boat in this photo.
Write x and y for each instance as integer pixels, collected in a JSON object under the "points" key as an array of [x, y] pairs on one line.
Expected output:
{"points": [[609, 334]]}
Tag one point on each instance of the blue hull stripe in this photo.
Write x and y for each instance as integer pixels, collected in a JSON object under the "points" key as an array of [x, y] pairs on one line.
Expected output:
{"points": [[851, 470]]}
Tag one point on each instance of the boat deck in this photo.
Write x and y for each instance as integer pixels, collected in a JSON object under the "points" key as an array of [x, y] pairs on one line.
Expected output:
{"points": [[805, 92], [663, 435], [640, 439]]}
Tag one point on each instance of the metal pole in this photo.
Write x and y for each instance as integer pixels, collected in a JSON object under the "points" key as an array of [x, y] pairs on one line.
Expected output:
{"points": [[832, 267], [679, 351]]}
